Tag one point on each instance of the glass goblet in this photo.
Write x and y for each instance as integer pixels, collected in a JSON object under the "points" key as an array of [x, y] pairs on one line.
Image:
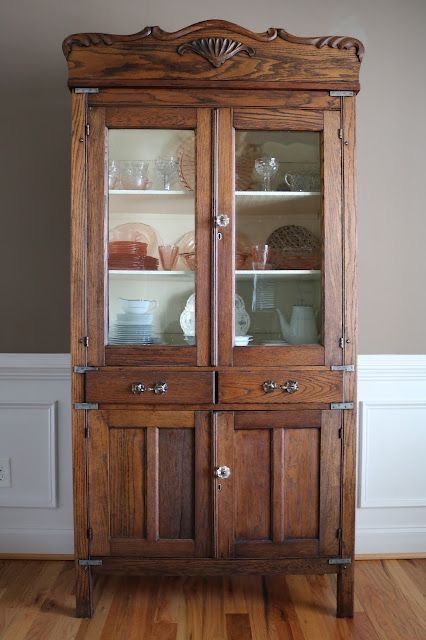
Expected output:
{"points": [[167, 168], [266, 167]]}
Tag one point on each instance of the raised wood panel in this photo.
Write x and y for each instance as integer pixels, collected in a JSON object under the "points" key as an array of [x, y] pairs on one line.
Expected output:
{"points": [[278, 120], [246, 386], [176, 480], [127, 482], [282, 497], [149, 485], [253, 484], [153, 56], [152, 355], [136, 118], [114, 385], [311, 354], [301, 483]]}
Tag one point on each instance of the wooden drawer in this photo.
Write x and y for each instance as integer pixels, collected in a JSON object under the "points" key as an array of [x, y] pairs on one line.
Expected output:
{"points": [[311, 386], [114, 385]]}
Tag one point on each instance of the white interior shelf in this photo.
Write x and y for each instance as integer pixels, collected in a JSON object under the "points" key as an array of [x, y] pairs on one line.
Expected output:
{"points": [[280, 273], [149, 192], [276, 194], [299, 274]]}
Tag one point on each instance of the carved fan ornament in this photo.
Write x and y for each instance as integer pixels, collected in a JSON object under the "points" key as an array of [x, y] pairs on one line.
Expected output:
{"points": [[216, 50]]}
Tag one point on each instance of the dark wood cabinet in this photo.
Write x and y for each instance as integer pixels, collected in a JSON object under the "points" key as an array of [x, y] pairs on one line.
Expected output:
{"points": [[213, 303]]}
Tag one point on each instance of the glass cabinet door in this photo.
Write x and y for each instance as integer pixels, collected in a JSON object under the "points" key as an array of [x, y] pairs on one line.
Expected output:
{"points": [[286, 248], [153, 236]]}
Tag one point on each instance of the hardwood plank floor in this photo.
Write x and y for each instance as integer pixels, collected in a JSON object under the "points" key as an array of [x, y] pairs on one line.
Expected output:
{"points": [[37, 603]]}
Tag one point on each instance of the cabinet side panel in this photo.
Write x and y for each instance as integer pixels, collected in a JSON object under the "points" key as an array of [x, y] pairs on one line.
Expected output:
{"points": [[176, 483], [78, 324], [127, 483], [252, 484], [301, 483], [350, 308]]}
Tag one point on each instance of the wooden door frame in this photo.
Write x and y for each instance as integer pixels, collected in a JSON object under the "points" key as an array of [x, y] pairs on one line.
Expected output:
{"points": [[327, 123], [100, 119]]}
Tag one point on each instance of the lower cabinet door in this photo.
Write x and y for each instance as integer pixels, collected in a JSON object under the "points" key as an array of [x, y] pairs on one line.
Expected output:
{"points": [[149, 483], [282, 494]]}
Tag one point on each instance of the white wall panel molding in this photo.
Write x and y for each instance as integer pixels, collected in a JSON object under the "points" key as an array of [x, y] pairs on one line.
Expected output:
{"points": [[392, 446], [35, 433], [28, 437], [391, 487], [45, 366], [392, 367]]}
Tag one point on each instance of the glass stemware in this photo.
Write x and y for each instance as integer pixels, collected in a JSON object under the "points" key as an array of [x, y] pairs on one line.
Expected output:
{"points": [[266, 166], [168, 256], [167, 168]]}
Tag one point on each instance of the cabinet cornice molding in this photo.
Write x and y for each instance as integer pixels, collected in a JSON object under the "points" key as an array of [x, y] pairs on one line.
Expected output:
{"points": [[273, 58]]}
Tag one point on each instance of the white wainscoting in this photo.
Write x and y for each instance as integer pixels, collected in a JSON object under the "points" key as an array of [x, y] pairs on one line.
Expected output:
{"points": [[35, 433], [391, 487], [36, 511]]}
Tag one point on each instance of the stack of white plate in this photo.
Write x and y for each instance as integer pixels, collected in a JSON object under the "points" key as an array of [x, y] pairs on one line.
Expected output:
{"points": [[135, 325], [242, 341]]}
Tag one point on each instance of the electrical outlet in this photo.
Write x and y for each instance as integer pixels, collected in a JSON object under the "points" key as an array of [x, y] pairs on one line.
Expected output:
{"points": [[5, 480]]}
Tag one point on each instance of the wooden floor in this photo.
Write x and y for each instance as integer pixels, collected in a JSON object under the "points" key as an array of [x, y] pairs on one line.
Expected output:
{"points": [[37, 603]]}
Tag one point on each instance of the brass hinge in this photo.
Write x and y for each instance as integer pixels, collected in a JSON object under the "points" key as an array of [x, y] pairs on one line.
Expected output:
{"points": [[341, 94], [90, 563], [86, 90], [85, 341], [342, 367], [344, 561], [342, 406], [86, 406], [90, 533], [84, 369]]}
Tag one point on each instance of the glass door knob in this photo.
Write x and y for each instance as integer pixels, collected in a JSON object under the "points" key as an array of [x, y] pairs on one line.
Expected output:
{"points": [[222, 472]]}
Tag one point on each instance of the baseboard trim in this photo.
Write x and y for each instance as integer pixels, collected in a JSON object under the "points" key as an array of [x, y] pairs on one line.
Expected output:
{"points": [[390, 556], [37, 556], [36, 542]]}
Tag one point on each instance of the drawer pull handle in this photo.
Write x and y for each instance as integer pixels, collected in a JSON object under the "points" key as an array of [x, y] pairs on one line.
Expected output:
{"points": [[222, 472], [269, 386], [291, 386], [138, 387], [159, 388]]}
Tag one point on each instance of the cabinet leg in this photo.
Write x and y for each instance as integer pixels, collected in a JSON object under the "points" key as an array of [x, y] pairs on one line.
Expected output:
{"points": [[84, 592], [345, 592]]}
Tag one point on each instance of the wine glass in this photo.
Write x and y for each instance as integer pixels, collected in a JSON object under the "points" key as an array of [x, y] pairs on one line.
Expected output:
{"points": [[266, 167], [167, 168]]}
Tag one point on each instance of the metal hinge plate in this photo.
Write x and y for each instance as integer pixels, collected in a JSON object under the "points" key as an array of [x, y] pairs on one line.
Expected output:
{"points": [[84, 369], [86, 406], [90, 563], [342, 406], [344, 561], [342, 367], [85, 341], [87, 127], [341, 94], [86, 90]]}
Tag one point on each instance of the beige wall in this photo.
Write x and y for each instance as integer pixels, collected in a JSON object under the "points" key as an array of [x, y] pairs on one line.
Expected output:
{"points": [[34, 148]]}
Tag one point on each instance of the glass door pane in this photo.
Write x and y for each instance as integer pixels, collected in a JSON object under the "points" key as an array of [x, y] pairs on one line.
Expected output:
{"points": [[279, 238], [151, 237]]}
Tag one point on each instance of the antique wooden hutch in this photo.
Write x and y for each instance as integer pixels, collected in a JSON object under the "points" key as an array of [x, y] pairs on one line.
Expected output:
{"points": [[214, 389]]}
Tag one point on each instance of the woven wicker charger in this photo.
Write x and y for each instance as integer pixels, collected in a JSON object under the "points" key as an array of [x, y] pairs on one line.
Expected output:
{"points": [[294, 238]]}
